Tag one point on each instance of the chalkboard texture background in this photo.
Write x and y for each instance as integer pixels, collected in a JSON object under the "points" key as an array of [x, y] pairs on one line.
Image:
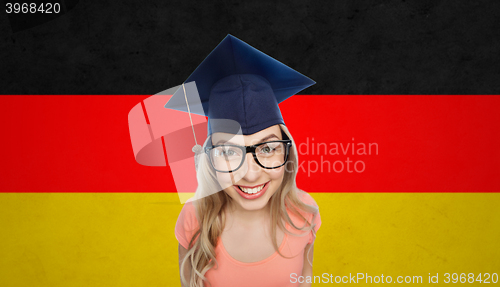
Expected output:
{"points": [[347, 47]]}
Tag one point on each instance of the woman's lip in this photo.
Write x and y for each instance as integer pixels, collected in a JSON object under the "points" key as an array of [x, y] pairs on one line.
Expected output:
{"points": [[252, 196], [252, 186]]}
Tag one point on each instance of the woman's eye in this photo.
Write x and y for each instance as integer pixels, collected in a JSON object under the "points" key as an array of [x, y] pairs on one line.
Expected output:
{"points": [[266, 149], [226, 152]]}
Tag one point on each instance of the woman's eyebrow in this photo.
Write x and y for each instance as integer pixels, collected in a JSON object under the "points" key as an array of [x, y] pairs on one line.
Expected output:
{"points": [[224, 142], [262, 140], [268, 137]]}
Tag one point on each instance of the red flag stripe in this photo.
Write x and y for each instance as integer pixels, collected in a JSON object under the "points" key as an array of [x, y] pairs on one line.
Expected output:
{"points": [[424, 144]]}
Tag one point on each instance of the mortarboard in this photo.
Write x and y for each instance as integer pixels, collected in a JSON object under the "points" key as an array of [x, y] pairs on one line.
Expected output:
{"points": [[240, 83]]}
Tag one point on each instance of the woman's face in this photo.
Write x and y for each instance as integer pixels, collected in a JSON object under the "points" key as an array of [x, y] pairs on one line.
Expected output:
{"points": [[251, 186]]}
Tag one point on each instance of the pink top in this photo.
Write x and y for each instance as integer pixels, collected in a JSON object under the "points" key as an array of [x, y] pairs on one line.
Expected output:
{"points": [[273, 271]]}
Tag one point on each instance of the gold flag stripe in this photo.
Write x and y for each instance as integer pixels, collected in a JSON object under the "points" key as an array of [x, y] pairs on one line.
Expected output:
{"points": [[127, 239]]}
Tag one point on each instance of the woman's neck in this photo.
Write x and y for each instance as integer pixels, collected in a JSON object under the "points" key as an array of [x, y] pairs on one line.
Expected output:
{"points": [[241, 214]]}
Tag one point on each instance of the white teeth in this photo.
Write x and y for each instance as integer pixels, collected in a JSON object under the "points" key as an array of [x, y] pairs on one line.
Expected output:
{"points": [[252, 190]]}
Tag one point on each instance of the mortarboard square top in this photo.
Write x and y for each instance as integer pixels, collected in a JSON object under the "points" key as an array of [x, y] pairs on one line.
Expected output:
{"points": [[240, 83]]}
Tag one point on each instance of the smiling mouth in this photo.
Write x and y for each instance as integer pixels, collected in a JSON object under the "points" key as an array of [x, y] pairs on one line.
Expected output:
{"points": [[252, 190]]}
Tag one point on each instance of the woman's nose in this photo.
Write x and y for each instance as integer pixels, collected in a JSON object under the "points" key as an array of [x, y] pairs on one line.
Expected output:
{"points": [[253, 171]]}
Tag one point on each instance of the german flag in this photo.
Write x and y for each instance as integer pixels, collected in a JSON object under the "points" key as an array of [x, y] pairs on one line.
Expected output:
{"points": [[406, 185]]}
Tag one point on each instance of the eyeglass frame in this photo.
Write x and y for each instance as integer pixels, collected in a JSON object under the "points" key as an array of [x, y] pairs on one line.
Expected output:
{"points": [[250, 149]]}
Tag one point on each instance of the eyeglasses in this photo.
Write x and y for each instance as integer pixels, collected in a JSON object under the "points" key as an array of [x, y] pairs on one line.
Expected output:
{"points": [[229, 158]]}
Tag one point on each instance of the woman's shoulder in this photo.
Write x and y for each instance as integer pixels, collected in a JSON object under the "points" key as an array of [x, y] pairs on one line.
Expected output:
{"points": [[187, 224], [305, 212], [306, 198], [187, 216], [311, 215]]}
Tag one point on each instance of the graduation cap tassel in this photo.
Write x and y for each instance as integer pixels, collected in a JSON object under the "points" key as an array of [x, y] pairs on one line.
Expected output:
{"points": [[196, 148]]}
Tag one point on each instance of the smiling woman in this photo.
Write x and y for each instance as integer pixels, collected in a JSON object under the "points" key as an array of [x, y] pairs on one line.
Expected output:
{"points": [[248, 224], [257, 184]]}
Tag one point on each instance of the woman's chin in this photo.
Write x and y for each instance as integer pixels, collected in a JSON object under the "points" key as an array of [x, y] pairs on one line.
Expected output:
{"points": [[253, 205]]}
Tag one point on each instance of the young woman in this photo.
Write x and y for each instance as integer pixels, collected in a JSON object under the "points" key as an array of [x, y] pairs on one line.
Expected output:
{"points": [[249, 224]]}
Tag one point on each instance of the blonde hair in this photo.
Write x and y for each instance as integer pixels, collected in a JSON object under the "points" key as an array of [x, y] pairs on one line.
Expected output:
{"points": [[211, 216]]}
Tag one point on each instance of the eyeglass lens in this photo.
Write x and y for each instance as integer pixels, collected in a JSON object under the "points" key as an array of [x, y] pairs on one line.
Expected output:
{"points": [[229, 158]]}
